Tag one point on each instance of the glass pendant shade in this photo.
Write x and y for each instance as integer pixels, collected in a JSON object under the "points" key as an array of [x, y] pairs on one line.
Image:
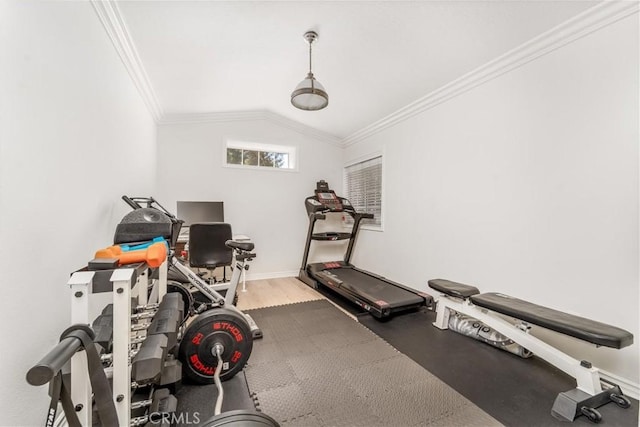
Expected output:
{"points": [[309, 95]]}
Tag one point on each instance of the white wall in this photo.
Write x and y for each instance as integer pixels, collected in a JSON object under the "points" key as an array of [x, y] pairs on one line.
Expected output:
{"points": [[74, 137], [526, 185], [266, 205]]}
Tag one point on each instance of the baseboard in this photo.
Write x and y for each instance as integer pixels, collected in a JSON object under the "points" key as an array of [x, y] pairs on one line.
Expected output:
{"points": [[272, 275], [629, 388]]}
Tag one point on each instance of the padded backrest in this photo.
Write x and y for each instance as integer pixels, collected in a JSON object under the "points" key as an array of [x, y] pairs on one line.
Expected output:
{"points": [[206, 244]]}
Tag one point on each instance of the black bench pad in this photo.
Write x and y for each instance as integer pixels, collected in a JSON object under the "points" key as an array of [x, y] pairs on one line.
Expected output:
{"points": [[575, 326], [452, 288]]}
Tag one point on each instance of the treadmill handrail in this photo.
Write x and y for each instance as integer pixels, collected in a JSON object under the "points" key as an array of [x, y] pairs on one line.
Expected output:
{"points": [[357, 218], [314, 216]]}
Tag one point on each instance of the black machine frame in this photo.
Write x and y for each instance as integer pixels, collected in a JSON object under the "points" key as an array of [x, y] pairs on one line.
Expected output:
{"points": [[362, 287]]}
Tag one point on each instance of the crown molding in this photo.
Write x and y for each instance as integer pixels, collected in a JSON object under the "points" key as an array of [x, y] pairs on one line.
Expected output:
{"points": [[116, 28], [219, 117], [593, 19], [234, 116]]}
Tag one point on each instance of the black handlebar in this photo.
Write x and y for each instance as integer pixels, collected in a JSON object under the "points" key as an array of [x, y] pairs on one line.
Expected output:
{"points": [[318, 215], [71, 341], [134, 205], [133, 202]]}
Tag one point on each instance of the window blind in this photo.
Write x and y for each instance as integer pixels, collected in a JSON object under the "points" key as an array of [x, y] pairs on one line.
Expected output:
{"points": [[363, 188]]}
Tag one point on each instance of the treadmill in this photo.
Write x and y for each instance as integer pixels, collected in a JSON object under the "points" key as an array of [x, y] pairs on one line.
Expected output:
{"points": [[379, 296]]}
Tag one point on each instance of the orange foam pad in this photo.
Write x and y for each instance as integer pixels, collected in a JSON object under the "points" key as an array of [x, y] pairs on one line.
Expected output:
{"points": [[154, 255]]}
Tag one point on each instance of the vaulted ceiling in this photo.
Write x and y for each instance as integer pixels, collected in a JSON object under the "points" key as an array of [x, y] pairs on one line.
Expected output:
{"points": [[373, 57]]}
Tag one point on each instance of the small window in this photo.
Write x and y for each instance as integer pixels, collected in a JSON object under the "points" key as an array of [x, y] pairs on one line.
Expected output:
{"points": [[258, 155], [363, 188]]}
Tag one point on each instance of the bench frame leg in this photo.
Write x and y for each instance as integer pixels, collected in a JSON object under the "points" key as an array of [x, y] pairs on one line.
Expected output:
{"points": [[568, 404], [588, 378]]}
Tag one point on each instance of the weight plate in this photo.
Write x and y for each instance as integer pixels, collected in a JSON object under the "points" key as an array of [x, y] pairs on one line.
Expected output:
{"points": [[217, 326], [241, 418]]}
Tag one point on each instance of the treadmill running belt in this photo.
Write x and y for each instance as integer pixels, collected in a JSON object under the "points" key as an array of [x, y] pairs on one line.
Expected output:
{"points": [[375, 289]]}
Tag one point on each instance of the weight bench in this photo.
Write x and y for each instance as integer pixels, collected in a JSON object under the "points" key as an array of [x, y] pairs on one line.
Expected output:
{"points": [[591, 391]]}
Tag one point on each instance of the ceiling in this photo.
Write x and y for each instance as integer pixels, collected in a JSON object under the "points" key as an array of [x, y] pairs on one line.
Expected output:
{"points": [[373, 57]]}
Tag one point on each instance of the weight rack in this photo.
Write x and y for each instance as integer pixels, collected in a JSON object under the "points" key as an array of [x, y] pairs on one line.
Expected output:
{"points": [[123, 283]]}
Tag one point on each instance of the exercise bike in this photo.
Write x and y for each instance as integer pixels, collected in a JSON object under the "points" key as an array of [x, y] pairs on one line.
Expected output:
{"points": [[216, 324]]}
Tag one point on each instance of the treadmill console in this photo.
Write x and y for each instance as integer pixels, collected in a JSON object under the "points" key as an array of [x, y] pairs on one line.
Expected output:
{"points": [[329, 200], [325, 200]]}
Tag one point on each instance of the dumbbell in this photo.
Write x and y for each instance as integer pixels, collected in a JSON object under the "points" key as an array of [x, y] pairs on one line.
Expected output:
{"points": [[171, 300], [127, 248], [166, 323], [160, 408], [170, 376], [148, 361], [103, 328], [146, 365], [135, 347], [174, 298], [171, 307], [161, 336], [154, 255]]}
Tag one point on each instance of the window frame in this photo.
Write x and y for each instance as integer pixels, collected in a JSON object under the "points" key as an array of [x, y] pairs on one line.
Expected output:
{"points": [[291, 150], [355, 161]]}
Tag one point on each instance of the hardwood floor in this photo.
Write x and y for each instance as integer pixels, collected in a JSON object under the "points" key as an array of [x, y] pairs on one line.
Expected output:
{"points": [[271, 292]]}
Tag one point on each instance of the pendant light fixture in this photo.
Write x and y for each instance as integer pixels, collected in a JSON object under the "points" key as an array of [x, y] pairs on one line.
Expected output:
{"points": [[310, 94]]}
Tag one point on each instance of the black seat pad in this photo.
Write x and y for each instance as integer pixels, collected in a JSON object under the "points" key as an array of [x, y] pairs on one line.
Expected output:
{"points": [[452, 288], [245, 246], [575, 326]]}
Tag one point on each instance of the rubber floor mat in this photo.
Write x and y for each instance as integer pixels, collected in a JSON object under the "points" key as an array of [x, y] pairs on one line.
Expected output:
{"points": [[318, 367], [517, 392]]}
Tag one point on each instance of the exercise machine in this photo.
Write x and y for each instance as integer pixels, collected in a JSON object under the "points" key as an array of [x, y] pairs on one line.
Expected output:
{"points": [[490, 309], [379, 296], [145, 224]]}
